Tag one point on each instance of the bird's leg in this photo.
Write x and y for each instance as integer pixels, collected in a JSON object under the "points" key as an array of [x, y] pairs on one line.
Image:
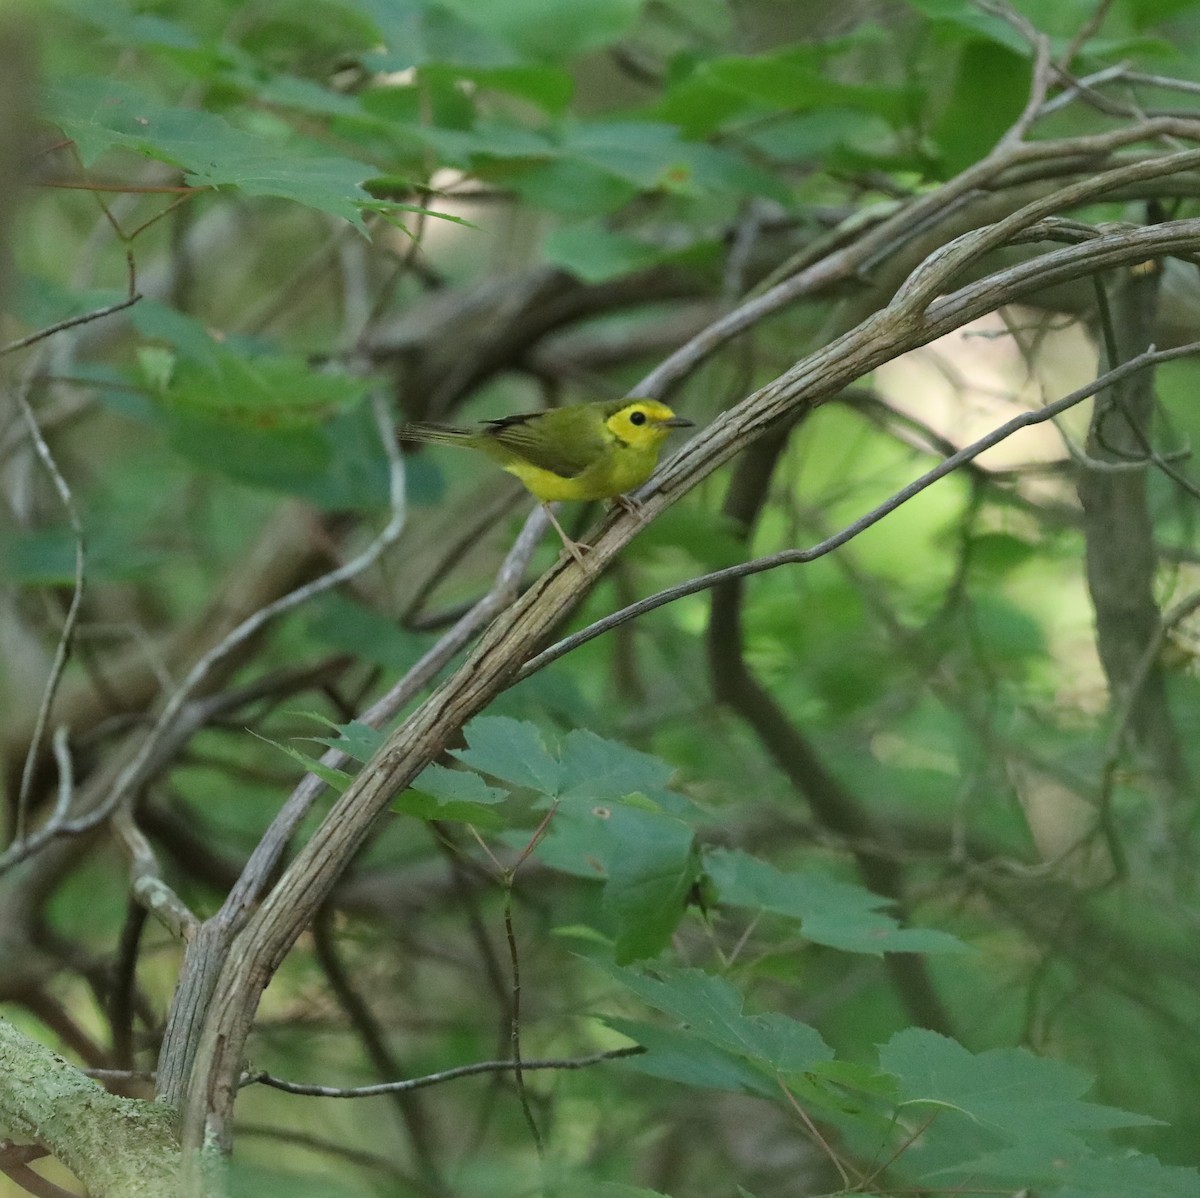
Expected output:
{"points": [[575, 548], [627, 503]]}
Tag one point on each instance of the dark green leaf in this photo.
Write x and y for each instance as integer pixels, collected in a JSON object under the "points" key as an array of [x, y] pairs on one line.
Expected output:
{"points": [[512, 750], [547, 29], [679, 1056], [711, 1008], [457, 786], [830, 912], [104, 114], [356, 739]]}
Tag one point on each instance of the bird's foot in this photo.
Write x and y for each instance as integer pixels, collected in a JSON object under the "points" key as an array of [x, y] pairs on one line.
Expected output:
{"points": [[627, 503], [575, 548]]}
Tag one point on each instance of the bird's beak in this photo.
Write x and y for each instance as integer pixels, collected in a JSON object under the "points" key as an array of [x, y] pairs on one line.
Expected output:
{"points": [[678, 422]]}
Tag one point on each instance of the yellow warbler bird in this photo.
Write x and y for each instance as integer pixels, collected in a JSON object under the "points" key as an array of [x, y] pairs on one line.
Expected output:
{"points": [[584, 451]]}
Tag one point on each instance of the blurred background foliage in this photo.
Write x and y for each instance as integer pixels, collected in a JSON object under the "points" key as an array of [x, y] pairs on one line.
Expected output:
{"points": [[478, 208]]}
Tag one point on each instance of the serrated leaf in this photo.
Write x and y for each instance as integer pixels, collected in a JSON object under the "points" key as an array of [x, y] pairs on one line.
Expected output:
{"points": [[712, 1009], [595, 768], [1132, 1176], [593, 253], [424, 806], [679, 1056], [266, 392], [512, 750], [336, 779], [457, 786], [1007, 1091], [105, 114], [357, 740], [548, 29], [830, 912], [648, 883]]}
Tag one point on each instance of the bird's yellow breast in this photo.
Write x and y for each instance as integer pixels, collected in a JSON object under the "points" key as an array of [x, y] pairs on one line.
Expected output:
{"points": [[621, 469]]}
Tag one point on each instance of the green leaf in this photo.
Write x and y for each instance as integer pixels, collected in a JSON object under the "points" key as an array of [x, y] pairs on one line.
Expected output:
{"points": [[457, 786], [414, 32], [1009, 1117], [549, 87], [104, 114], [575, 189], [423, 806], [1002, 1114], [39, 301], [237, 384], [1132, 1176], [648, 882], [512, 750], [712, 1010], [548, 29], [338, 780], [125, 27], [743, 91], [593, 253], [971, 20], [838, 914], [357, 740], [595, 768], [337, 465], [1007, 1090], [995, 554], [988, 96], [679, 1056]]}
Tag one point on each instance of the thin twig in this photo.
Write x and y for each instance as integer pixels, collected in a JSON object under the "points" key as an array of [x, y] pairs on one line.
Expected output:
{"points": [[515, 1024], [1038, 87], [66, 772], [1084, 34], [1083, 86], [146, 882], [66, 638], [70, 323], [435, 1079], [796, 556], [815, 1132]]}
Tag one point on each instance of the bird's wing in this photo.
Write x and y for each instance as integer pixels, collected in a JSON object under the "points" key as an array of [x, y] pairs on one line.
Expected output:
{"points": [[556, 440]]}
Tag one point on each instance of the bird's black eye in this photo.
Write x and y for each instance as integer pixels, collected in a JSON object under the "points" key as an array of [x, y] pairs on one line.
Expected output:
{"points": [[637, 417]]}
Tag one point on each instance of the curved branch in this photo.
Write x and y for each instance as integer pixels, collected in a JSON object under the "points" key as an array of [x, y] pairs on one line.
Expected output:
{"points": [[787, 557], [274, 926]]}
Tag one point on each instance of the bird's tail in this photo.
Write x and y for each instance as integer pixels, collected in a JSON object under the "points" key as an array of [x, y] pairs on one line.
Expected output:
{"points": [[440, 434]]}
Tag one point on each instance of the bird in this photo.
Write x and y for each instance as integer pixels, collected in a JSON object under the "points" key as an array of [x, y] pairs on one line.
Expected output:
{"points": [[586, 451]]}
